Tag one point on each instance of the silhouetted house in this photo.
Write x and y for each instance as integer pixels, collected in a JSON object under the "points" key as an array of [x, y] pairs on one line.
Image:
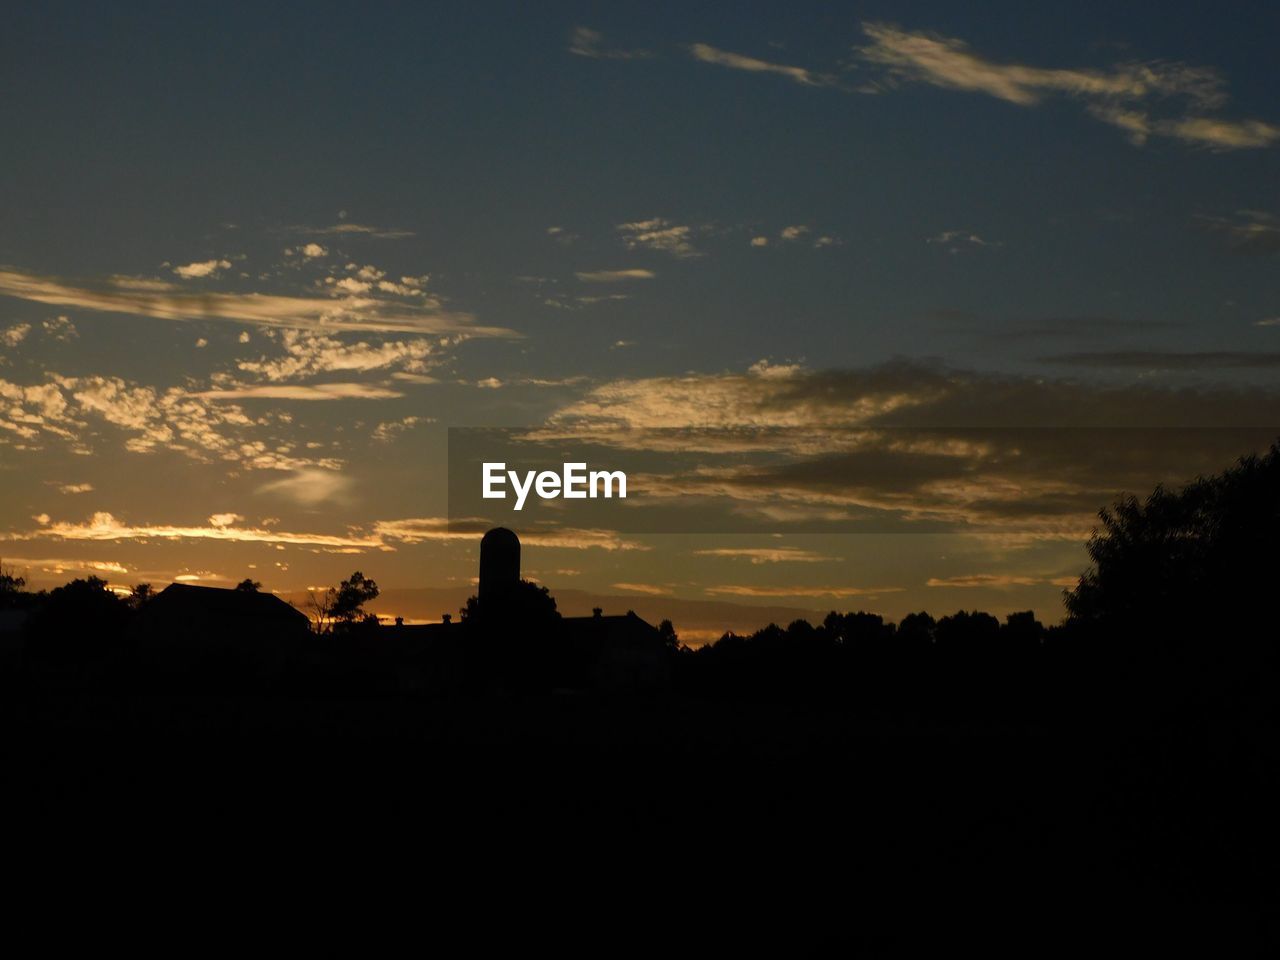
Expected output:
{"points": [[249, 633], [622, 653]]}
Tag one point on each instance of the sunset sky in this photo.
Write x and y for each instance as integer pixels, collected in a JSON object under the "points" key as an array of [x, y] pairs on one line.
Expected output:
{"points": [[254, 264]]}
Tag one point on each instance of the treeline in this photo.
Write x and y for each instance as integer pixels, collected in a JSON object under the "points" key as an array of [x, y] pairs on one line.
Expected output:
{"points": [[920, 669], [1176, 615]]}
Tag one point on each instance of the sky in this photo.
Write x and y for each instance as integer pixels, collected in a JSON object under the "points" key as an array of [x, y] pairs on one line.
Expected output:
{"points": [[256, 263]]}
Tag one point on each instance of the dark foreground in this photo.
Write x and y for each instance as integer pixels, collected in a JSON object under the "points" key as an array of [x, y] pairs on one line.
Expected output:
{"points": [[767, 825]]}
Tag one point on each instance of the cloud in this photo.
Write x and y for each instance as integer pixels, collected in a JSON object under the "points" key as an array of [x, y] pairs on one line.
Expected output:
{"points": [[646, 588], [906, 446], [738, 61], [1123, 96], [956, 239], [298, 391], [352, 230], [586, 42], [311, 354], [385, 534], [152, 418], [312, 251], [428, 529], [60, 566], [1249, 231], [577, 303], [386, 432], [999, 580], [759, 241], [203, 268], [747, 590], [660, 235], [14, 335], [1166, 360], [309, 487], [74, 488], [320, 314], [104, 526], [614, 276], [760, 555], [60, 329], [793, 233]]}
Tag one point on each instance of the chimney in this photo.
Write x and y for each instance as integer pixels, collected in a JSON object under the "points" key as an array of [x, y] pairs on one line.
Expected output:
{"points": [[597, 611], [446, 618]]}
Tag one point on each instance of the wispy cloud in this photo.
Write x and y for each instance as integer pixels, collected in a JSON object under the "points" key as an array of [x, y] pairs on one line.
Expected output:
{"points": [[309, 486], [614, 276], [59, 566], [650, 589], [752, 590], [586, 42], [660, 235], [956, 240], [1248, 231], [910, 446], [382, 535], [104, 526], [352, 230], [318, 313], [737, 61], [999, 581], [761, 555], [1125, 96], [299, 391]]}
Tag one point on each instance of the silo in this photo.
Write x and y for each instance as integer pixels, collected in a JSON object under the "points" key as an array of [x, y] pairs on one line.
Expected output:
{"points": [[499, 565]]}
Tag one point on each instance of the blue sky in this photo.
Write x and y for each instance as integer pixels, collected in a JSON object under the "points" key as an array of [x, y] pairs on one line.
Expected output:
{"points": [[271, 255]]}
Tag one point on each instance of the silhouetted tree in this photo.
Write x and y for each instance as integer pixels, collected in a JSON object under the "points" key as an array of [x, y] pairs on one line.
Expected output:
{"points": [[10, 585], [967, 632], [667, 631], [340, 606], [140, 595], [353, 593], [1022, 629], [248, 585], [319, 607], [83, 617], [1205, 551], [916, 631], [528, 603]]}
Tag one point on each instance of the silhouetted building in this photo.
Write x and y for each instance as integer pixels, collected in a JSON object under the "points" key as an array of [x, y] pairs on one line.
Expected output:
{"points": [[189, 627], [616, 653], [621, 653], [499, 565]]}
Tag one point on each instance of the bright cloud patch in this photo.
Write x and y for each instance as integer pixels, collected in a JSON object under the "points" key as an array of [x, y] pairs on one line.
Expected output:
{"points": [[1127, 96]]}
